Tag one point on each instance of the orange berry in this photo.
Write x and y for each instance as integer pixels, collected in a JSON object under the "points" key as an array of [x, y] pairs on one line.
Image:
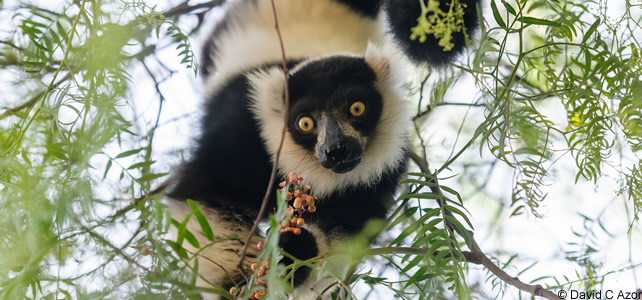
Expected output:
{"points": [[312, 208], [299, 222], [297, 203], [253, 296], [293, 220], [254, 266], [288, 197], [307, 187], [298, 193], [289, 211], [234, 290], [310, 200], [296, 231], [259, 245]]}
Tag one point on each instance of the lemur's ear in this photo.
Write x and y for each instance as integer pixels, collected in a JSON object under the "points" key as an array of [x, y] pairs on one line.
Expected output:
{"points": [[378, 60]]}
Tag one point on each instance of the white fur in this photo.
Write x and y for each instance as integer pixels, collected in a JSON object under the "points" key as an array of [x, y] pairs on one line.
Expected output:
{"points": [[384, 151], [335, 267], [250, 39], [214, 264]]}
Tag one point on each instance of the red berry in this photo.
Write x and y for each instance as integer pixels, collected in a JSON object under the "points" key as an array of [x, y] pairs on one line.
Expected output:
{"points": [[259, 245]]}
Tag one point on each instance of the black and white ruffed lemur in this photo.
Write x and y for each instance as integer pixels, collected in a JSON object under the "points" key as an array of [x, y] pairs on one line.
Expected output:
{"points": [[353, 159]]}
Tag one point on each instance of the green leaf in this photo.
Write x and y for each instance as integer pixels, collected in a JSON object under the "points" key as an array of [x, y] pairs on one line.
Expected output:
{"points": [[109, 162], [150, 177], [509, 8], [205, 226], [590, 31], [178, 249], [129, 153], [537, 21], [497, 15]]}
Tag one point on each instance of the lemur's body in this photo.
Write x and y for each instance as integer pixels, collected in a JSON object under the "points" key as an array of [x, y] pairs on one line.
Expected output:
{"points": [[352, 160]]}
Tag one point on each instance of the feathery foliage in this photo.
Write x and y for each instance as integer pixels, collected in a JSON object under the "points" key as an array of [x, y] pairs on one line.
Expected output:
{"points": [[79, 162]]}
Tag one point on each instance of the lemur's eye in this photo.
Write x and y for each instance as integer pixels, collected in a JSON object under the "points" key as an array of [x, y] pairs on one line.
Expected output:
{"points": [[306, 124], [357, 109]]}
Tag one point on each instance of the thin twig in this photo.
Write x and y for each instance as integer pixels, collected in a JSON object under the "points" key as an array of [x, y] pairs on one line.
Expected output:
{"points": [[33, 100], [185, 8], [277, 155]]}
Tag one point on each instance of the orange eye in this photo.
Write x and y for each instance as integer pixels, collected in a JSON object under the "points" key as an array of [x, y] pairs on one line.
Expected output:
{"points": [[357, 109], [306, 124]]}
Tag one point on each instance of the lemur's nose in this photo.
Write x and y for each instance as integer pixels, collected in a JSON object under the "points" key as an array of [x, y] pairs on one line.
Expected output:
{"points": [[337, 151]]}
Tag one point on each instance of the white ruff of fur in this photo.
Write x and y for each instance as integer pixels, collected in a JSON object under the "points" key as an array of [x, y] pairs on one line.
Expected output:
{"points": [[385, 149], [250, 41], [215, 263]]}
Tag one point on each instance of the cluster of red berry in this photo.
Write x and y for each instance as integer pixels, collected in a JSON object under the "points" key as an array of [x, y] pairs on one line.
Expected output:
{"points": [[301, 201]]}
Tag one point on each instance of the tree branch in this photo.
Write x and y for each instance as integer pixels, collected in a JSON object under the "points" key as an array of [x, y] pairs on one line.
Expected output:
{"points": [[277, 155], [476, 255]]}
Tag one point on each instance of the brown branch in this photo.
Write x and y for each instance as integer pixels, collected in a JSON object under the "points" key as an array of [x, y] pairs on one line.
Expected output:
{"points": [[476, 255], [277, 155]]}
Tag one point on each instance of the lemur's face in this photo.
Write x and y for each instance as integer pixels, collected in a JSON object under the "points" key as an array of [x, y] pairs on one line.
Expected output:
{"points": [[334, 110]]}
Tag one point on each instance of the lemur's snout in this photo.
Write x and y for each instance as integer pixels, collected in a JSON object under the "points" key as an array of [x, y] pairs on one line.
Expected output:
{"points": [[336, 152], [339, 152]]}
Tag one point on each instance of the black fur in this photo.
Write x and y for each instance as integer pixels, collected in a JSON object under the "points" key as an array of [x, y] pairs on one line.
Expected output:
{"points": [[402, 16], [230, 167], [215, 175], [303, 247], [368, 8]]}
